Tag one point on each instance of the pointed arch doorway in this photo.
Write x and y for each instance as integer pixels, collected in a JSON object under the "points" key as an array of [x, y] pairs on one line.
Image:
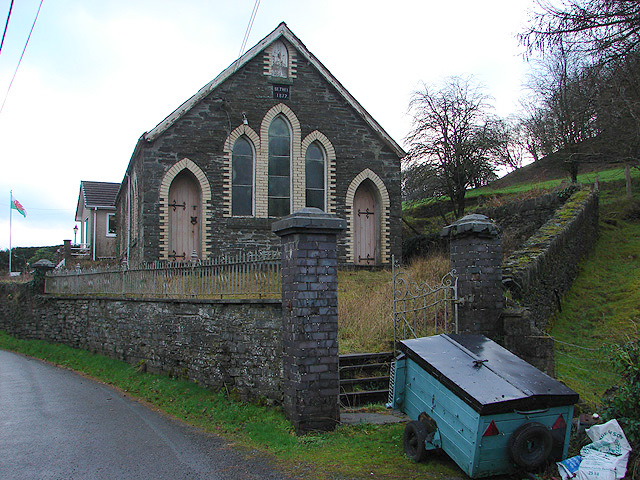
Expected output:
{"points": [[185, 217], [366, 224]]}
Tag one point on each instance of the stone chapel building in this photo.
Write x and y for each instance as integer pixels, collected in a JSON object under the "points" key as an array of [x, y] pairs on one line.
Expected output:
{"points": [[273, 133]]}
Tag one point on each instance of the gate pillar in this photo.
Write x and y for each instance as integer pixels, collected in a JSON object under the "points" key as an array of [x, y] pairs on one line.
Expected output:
{"points": [[476, 256], [311, 382]]}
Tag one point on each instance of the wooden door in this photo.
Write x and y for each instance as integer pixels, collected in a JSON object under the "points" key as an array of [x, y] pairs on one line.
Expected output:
{"points": [[365, 225], [184, 217]]}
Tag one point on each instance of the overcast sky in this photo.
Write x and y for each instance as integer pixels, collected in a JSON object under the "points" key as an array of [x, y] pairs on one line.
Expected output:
{"points": [[97, 74]]}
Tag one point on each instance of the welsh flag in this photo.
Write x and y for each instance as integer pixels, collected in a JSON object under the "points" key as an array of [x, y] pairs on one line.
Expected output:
{"points": [[16, 205]]}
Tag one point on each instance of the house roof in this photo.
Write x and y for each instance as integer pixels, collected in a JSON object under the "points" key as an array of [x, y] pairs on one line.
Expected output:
{"points": [[96, 195], [281, 31]]}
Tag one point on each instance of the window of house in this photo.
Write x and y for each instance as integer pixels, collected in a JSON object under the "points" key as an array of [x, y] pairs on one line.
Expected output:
{"points": [[242, 178], [111, 224], [279, 190], [314, 173]]}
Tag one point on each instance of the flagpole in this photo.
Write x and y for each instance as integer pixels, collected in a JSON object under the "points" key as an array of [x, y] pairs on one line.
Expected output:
{"points": [[10, 221]]}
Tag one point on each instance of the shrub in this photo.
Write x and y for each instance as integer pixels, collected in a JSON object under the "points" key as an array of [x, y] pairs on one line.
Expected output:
{"points": [[623, 401], [47, 253]]}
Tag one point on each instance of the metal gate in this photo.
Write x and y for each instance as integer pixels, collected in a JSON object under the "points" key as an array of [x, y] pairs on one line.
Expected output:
{"points": [[419, 309]]}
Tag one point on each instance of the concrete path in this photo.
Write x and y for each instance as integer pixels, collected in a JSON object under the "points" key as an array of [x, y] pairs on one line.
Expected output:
{"points": [[55, 424], [356, 418]]}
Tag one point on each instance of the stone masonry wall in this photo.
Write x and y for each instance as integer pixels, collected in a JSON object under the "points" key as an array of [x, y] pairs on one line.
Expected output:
{"points": [[519, 220], [542, 270], [216, 343]]}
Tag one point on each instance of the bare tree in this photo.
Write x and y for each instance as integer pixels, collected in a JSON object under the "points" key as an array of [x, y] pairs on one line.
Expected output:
{"points": [[605, 34], [455, 136], [420, 181], [618, 107], [565, 114], [535, 127], [601, 29], [514, 143]]}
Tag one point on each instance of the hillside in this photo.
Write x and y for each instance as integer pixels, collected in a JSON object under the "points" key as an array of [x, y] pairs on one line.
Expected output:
{"points": [[602, 308], [430, 215], [549, 168]]}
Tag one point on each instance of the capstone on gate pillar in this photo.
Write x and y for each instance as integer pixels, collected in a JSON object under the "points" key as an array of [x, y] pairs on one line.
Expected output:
{"points": [[476, 256], [311, 382]]}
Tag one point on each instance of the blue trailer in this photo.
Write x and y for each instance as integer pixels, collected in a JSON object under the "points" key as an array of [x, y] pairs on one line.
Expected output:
{"points": [[490, 411]]}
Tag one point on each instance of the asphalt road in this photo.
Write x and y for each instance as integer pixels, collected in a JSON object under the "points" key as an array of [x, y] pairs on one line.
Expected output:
{"points": [[55, 424]]}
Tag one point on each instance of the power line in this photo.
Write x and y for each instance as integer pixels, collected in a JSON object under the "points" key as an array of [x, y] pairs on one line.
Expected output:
{"points": [[22, 55], [574, 345], [6, 25], [582, 359], [248, 31], [246, 34]]}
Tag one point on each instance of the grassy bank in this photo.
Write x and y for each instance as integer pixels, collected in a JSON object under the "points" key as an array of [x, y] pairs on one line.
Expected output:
{"points": [[361, 451], [602, 308], [523, 190]]}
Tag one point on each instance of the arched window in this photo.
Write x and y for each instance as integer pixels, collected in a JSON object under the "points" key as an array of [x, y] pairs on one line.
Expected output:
{"points": [[314, 173], [279, 191], [242, 178]]}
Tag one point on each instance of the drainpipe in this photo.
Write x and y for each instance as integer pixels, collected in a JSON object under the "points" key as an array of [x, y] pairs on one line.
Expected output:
{"points": [[95, 217], [128, 216]]}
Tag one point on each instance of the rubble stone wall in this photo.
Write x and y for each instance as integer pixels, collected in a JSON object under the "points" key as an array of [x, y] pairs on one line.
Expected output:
{"points": [[217, 343]]}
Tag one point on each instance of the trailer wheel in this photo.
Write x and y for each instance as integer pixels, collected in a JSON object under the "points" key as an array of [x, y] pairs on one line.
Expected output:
{"points": [[415, 434], [530, 445], [429, 424]]}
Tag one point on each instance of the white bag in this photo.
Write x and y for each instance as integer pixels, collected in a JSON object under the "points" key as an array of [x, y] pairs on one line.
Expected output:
{"points": [[568, 468], [606, 458]]}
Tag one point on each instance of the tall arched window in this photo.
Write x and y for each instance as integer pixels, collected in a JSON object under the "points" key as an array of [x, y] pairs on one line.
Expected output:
{"points": [[279, 191], [314, 173], [242, 178]]}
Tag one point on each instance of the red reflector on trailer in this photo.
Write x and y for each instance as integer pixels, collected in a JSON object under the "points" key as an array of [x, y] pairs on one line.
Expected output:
{"points": [[560, 423], [491, 430]]}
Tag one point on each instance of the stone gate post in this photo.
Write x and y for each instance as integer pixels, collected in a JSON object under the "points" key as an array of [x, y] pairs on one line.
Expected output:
{"points": [[476, 256], [311, 383]]}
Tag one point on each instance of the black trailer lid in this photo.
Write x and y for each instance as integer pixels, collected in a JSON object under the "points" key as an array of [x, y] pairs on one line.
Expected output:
{"points": [[485, 375]]}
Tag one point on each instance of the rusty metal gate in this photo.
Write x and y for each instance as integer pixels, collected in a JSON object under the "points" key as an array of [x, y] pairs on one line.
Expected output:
{"points": [[419, 309]]}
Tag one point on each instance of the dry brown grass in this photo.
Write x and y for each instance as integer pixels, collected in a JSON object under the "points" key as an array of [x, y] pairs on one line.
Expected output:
{"points": [[494, 200], [365, 322], [23, 278]]}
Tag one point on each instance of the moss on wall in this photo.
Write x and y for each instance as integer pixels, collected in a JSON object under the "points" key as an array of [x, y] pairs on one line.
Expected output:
{"points": [[542, 270]]}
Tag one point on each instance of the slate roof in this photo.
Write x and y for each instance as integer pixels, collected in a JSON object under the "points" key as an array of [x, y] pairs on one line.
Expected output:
{"points": [[281, 31], [97, 195]]}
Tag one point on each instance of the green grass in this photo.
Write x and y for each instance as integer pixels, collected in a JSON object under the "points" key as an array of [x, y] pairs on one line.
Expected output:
{"points": [[602, 308], [360, 451], [616, 174], [604, 176]]}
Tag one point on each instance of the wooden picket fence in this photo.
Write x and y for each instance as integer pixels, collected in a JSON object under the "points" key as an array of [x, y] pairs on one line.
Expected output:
{"points": [[246, 275]]}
